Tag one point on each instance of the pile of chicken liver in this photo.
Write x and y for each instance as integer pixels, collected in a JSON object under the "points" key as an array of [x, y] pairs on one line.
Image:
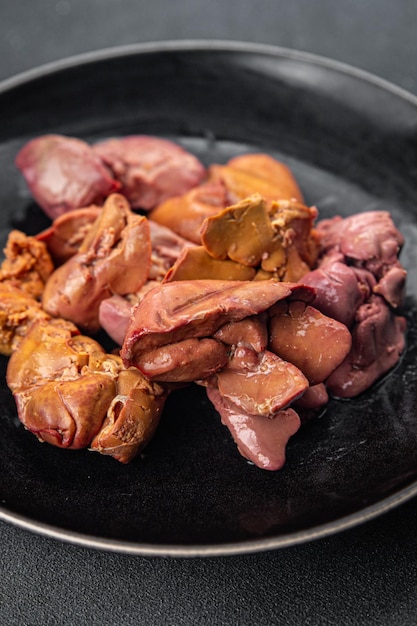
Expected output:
{"points": [[217, 276]]}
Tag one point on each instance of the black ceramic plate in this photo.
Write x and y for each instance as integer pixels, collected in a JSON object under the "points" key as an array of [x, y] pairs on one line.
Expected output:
{"points": [[351, 140]]}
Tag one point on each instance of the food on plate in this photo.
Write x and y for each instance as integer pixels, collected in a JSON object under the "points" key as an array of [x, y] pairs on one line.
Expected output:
{"points": [[166, 247], [280, 242], [25, 269], [17, 310], [113, 258], [277, 242], [368, 241], [66, 233], [27, 264], [316, 343], [228, 281], [226, 185], [218, 334], [64, 173], [360, 281], [70, 393], [377, 342], [173, 314], [248, 174], [261, 441], [150, 169], [313, 399], [186, 213], [195, 263]]}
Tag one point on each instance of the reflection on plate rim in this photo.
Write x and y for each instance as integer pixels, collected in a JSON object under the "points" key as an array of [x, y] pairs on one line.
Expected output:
{"points": [[231, 548]]}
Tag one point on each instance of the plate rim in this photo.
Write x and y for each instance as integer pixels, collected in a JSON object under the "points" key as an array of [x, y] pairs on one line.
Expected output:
{"points": [[249, 546], [202, 45], [228, 548]]}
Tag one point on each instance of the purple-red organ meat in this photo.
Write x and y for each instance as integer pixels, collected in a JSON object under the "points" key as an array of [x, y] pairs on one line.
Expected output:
{"points": [[64, 173], [252, 393], [150, 169], [369, 238], [251, 332], [311, 402], [268, 352], [369, 241], [361, 282], [259, 383], [113, 316], [378, 339], [216, 334], [114, 312], [259, 439], [392, 285], [339, 289], [184, 361], [172, 312]]}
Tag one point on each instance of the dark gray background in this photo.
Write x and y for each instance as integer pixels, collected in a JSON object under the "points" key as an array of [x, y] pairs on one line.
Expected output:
{"points": [[367, 575]]}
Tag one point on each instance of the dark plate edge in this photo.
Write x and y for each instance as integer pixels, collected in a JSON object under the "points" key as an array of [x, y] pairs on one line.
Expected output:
{"points": [[219, 550], [250, 546], [202, 45]]}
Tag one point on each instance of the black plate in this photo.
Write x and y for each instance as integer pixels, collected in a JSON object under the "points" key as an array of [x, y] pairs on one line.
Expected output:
{"points": [[351, 140]]}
